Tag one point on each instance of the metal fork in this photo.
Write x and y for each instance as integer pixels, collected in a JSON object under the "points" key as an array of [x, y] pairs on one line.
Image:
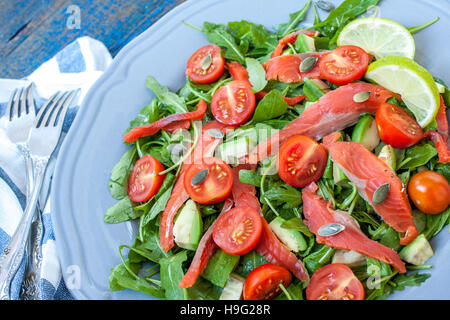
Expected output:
{"points": [[20, 116], [43, 138]]}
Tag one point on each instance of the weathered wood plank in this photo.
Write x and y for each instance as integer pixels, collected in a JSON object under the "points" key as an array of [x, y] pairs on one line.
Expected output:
{"points": [[114, 22]]}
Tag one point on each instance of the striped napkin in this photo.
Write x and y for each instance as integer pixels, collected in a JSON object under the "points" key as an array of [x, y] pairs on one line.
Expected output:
{"points": [[76, 66]]}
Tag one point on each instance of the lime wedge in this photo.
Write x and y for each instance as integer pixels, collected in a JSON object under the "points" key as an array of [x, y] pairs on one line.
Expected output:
{"points": [[413, 82], [379, 36]]}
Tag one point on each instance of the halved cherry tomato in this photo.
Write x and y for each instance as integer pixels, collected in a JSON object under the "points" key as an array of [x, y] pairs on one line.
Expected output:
{"points": [[238, 230], [199, 70], [215, 187], [301, 160], [334, 282], [144, 181], [263, 283], [344, 64], [429, 191], [396, 127], [234, 103]]}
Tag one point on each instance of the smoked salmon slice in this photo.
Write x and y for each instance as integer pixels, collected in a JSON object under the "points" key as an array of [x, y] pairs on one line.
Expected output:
{"points": [[206, 248], [334, 111], [368, 173], [204, 148], [318, 213], [269, 245], [287, 68]]}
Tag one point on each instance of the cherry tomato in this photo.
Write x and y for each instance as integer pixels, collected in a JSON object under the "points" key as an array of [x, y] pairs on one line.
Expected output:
{"points": [[206, 65], [238, 230], [429, 191], [234, 103], [334, 281], [263, 283], [144, 181], [215, 187], [397, 127], [301, 160], [344, 64]]}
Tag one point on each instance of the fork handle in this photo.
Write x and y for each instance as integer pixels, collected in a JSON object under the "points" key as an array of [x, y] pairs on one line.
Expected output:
{"points": [[13, 254]]}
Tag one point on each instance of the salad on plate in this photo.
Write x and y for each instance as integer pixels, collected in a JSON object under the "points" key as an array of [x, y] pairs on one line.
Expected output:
{"points": [[294, 163]]}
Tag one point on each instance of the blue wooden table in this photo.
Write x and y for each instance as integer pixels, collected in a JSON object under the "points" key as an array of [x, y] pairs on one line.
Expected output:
{"points": [[32, 31]]}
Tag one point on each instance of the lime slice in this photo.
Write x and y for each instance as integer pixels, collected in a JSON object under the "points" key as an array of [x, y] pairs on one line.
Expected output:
{"points": [[379, 36], [407, 78]]}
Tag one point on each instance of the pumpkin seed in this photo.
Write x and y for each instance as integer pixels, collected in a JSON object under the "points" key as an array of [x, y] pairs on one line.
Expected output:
{"points": [[199, 177], [176, 149], [381, 194], [207, 62], [330, 229], [325, 5], [308, 64], [215, 133], [361, 96]]}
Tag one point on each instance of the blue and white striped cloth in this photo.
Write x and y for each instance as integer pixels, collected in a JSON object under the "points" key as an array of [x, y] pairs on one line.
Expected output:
{"points": [[76, 66]]}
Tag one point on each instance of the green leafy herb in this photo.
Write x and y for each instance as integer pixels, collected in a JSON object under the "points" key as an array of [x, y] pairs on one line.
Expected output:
{"points": [[318, 258], [219, 34], [118, 182], [256, 73], [250, 177], [419, 155], [297, 224], [271, 106], [339, 17], [171, 272], [121, 211], [294, 19], [219, 267], [414, 30], [165, 96]]}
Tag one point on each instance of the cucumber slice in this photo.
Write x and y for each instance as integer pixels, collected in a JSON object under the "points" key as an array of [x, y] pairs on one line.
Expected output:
{"points": [[387, 154], [304, 43], [188, 226], [293, 239], [366, 133], [349, 258], [417, 252], [233, 288]]}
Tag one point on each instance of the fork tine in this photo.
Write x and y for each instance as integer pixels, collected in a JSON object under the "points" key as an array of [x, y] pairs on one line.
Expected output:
{"points": [[22, 102], [48, 104], [57, 121], [10, 103], [16, 102], [30, 100], [54, 110]]}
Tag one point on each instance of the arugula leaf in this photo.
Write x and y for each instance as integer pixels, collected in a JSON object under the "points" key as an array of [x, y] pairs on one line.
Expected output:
{"points": [[250, 177], [412, 279], [444, 169], [435, 223], [284, 195], [120, 278], [339, 17], [165, 96], [203, 290], [297, 224], [294, 19], [171, 272], [121, 211], [318, 258], [148, 114], [250, 261], [161, 197], [218, 34], [219, 267], [149, 245], [256, 73], [118, 182], [295, 292], [271, 106], [418, 155], [257, 35]]}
